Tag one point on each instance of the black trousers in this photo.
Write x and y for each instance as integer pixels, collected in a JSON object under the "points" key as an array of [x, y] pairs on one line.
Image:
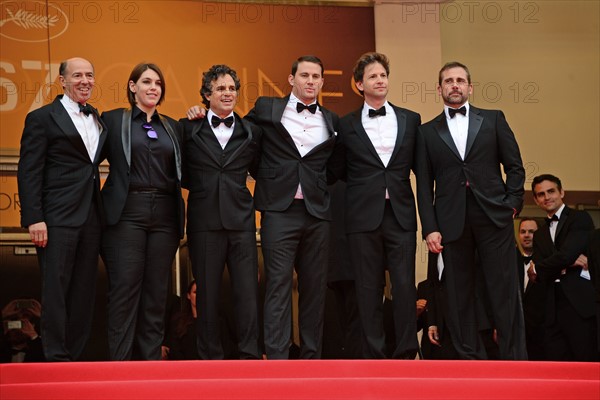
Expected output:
{"points": [[138, 252], [495, 248], [570, 337], [294, 239], [209, 252], [69, 266], [388, 247]]}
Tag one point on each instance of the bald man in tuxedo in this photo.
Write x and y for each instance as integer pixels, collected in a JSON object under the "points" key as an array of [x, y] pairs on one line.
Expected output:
{"points": [[59, 189]]}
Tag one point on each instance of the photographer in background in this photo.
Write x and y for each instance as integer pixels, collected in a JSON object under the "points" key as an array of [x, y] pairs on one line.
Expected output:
{"points": [[20, 341]]}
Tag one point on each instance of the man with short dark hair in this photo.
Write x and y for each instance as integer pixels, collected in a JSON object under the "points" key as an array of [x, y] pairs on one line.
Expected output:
{"points": [[218, 151], [467, 208], [298, 136], [59, 188], [558, 246], [375, 155]]}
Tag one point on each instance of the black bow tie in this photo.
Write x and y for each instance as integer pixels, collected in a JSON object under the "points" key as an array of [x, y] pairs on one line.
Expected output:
{"points": [[552, 218], [526, 259], [374, 113], [85, 109], [453, 111], [216, 121], [301, 107]]}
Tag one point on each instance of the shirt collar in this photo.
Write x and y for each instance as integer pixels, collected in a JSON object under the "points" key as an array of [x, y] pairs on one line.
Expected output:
{"points": [[294, 100], [559, 212], [70, 104], [136, 112], [210, 114]]}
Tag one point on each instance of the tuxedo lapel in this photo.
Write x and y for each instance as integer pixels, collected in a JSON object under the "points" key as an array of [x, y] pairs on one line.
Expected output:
{"points": [[441, 127], [362, 134], [126, 134], [171, 132], [401, 121], [276, 115], [66, 125], [204, 138], [475, 121], [241, 129], [564, 216], [328, 120], [102, 136]]}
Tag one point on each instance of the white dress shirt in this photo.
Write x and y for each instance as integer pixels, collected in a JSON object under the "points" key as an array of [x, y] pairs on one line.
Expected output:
{"points": [[306, 129], [459, 129], [382, 130], [87, 126], [554, 224]]}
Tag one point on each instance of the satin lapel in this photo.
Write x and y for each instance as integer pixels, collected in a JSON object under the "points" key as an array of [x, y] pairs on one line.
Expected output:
{"points": [[475, 121], [328, 121], [197, 138], [126, 134], [247, 133], [103, 134], [401, 119], [442, 129], [165, 123], [562, 221], [276, 115], [66, 125], [362, 134]]}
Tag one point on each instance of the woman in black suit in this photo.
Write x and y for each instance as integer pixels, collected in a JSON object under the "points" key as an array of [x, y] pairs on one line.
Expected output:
{"points": [[144, 216]]}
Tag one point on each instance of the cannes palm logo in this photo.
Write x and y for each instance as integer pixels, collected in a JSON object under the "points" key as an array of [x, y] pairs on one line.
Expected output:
{"points": [[31, 21]]}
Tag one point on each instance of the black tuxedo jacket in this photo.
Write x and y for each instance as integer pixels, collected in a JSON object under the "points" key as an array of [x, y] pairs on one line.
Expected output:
{"points": [[216, 177], [57, 180], [118, 152], [356, 160], [490, 142], [571, 239], [281, 167]]}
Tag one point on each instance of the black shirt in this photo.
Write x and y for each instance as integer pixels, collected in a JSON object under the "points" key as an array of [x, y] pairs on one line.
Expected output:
{"points": [[152, 160]]}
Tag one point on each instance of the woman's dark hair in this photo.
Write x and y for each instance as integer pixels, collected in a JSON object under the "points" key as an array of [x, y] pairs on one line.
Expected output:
{"points": [[135, 75]]}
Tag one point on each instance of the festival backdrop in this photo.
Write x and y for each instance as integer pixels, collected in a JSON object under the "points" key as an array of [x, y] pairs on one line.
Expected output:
{"points": [[260, 41]]}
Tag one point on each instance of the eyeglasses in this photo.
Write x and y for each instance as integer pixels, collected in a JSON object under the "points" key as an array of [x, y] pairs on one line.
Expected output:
{"points": [[150, 131]]}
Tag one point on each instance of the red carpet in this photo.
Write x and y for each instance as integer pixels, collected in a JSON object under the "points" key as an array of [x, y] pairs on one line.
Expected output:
{"points": [[301, 380]]}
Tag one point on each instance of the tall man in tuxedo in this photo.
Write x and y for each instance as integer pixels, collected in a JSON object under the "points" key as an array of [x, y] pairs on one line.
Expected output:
{"points": [[375, 154], [59, 188], [570, 333], [218, 151], [533, 293], [459, 154], [298, 136]]}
